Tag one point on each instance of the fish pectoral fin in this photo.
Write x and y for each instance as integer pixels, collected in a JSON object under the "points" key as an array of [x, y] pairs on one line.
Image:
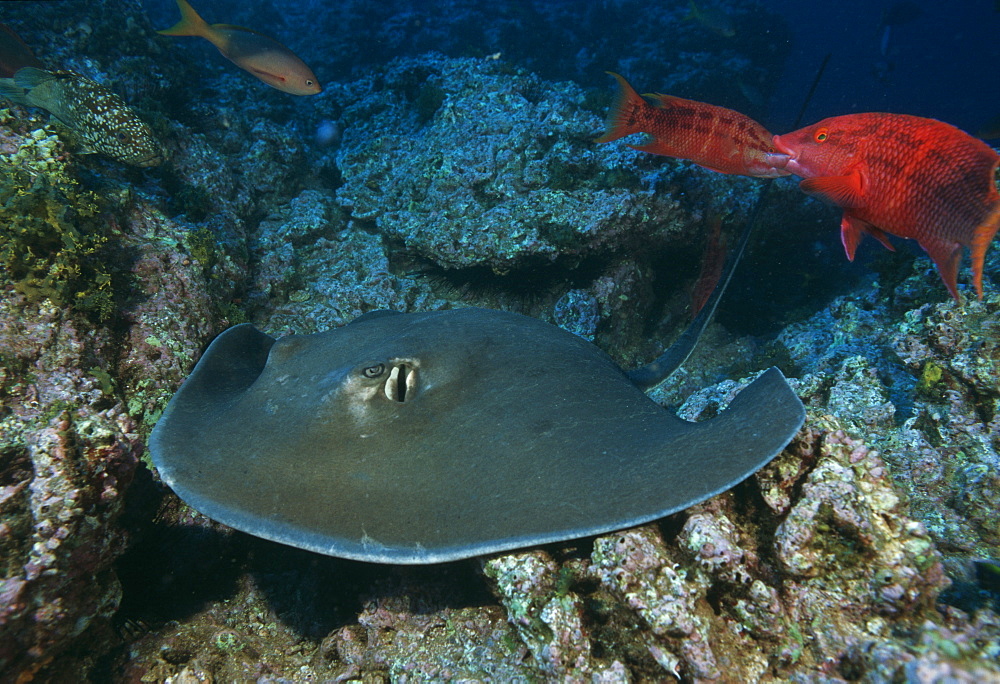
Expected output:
{"points": [[851, 232], [841, 191], [32, 77], [946, 255]]}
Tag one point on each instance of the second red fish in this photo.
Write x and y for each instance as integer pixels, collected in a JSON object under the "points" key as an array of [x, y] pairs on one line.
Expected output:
{"points": [[717, 138]]}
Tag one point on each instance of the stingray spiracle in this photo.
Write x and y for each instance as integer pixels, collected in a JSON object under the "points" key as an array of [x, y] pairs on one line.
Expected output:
{"points": [[401, 383]]}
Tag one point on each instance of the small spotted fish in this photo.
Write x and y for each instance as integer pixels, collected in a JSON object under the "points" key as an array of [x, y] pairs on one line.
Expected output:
{"points": [[102, 120]]}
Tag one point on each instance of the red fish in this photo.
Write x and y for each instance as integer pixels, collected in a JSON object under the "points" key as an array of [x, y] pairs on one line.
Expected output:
{"points": [[15, 54], [717, 138], [712, 261], [895, 174]]}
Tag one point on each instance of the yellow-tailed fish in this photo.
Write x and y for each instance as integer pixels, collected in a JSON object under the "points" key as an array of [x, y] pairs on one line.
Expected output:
{"points": [[264, 57], [101, 119]]}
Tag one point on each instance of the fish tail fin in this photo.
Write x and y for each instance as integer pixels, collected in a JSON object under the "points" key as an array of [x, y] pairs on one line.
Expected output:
{"points": [[13, 92], [624, 112], [30, 77], [191, 24], [981, 239], [18, 89]]}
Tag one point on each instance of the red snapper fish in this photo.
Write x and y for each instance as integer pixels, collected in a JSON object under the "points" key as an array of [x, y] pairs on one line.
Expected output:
{"points": [[717, 138], [15, 53], [895, 174]]}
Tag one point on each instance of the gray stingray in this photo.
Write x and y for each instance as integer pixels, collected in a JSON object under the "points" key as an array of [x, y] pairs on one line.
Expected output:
{"points": [[428, 437]]}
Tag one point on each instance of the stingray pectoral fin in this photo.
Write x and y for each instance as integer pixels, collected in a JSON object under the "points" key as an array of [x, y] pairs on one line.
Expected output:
{"points": [[230, 365], [741, 440], [377, 313]]}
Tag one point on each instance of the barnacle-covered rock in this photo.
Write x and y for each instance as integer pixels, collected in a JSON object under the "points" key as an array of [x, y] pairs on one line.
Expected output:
{"points": [[922, 389], [467, 162], [68, 452], [548, 616]]}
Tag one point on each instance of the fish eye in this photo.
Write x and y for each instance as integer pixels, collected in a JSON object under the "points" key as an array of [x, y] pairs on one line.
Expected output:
{"points": [[374, 371], [821, 135], [309, 81]]}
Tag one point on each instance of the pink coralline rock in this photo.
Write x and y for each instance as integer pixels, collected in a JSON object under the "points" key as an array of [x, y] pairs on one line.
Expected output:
{"points": [[174, 316], [638, 568], [812, 583], [68, 452], [548, 617], [852, 558], [714, 541]]}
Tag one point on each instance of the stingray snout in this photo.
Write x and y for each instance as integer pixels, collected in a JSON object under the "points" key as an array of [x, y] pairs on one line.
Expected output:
{"points": [[401, 384]]}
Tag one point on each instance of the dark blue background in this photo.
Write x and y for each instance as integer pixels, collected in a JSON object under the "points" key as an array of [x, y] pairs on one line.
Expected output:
{"points": [[945, 61]]}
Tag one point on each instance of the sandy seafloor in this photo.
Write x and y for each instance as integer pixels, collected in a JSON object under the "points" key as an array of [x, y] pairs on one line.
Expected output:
{"points": [[449, 162]]}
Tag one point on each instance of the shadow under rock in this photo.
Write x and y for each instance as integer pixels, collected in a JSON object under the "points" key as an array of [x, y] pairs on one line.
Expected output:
{"points": [[315, 594], [178, 569]]}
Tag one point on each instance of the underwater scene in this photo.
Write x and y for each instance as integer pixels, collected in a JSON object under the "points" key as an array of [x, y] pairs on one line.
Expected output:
{"points": [[524, 340]]}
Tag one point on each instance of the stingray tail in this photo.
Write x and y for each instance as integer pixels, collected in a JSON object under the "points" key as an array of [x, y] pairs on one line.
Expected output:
{"points": [[625, 112], [981, 239]]}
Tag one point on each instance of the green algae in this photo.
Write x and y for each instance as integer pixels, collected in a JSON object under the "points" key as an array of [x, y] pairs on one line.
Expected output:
{"points": [[57, 244], [930, 376]]}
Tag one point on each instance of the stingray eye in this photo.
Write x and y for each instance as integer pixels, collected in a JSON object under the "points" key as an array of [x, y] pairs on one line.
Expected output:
{"points": [[821, 135], [374, 371]]}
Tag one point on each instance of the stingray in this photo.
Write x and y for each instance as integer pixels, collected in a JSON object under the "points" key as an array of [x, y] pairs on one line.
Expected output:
{"points": [[430, 437]]}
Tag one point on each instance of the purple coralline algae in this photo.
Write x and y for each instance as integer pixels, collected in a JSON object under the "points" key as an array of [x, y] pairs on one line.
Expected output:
{"points": [[68, 451]]}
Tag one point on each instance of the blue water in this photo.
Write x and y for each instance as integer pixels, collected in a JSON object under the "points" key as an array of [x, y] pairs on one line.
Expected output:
{"points": [[943, 62], [940, 64]]}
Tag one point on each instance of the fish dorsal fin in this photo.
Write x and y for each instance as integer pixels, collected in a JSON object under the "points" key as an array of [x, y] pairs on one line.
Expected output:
{"points": [[662, 101], [241, 29], [32, 77], [842, 191]]}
